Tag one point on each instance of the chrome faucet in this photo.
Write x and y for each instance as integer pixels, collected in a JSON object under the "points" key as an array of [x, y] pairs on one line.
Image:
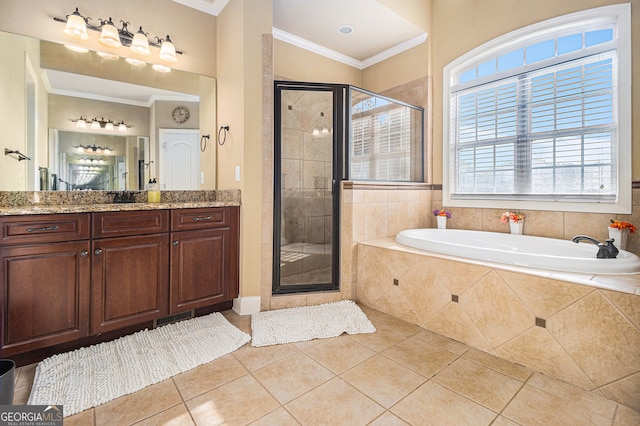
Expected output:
{"points": [[606, 250]]}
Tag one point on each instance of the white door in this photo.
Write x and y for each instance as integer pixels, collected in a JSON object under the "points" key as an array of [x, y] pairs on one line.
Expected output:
{"points": [[179, 159]]}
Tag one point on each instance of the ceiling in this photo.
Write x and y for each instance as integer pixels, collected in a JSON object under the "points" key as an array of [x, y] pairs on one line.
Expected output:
{"points": [[378, 32], [82, 86]]}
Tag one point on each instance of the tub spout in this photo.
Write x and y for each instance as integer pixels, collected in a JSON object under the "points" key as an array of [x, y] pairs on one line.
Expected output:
{"points": [[606, 250]]}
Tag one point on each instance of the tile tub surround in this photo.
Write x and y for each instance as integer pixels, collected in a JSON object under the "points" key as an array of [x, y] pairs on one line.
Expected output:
{"points": [[586, 336], [47, 202]]}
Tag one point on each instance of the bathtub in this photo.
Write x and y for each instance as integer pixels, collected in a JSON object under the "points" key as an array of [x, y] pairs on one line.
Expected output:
{"points": [[520, 250]]}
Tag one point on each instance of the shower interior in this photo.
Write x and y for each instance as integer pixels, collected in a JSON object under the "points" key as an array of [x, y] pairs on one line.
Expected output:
{"points": [[319, 126], [306, 187]]}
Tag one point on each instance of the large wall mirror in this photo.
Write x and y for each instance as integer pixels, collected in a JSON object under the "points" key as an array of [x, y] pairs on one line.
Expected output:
{"points": [[87, 122]]}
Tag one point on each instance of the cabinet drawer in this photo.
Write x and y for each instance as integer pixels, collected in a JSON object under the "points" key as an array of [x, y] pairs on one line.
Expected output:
{"points": [[191, 219], [139, 222], [44, 228]]}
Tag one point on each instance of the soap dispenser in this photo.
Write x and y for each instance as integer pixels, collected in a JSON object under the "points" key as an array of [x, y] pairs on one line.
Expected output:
{"points": [[153, 191]]}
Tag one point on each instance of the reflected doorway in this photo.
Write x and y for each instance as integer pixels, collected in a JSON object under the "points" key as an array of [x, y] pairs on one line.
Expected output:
{"points": [[308, 164]]}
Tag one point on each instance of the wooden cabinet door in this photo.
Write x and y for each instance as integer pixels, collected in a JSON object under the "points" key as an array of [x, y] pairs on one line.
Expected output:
{"points": [[130, 281], [44, 295], [199, 269]]}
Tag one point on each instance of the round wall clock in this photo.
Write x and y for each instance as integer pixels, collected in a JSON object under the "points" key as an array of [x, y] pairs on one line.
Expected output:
{"points": [[180, 114]]}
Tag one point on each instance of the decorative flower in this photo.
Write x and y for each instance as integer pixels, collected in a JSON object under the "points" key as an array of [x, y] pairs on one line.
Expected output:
{"points": [[438, 212], [511, 217], [623, 225]]}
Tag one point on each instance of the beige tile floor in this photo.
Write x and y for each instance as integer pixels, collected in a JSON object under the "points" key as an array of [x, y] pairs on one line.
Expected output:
{"points": [[400, 375]]}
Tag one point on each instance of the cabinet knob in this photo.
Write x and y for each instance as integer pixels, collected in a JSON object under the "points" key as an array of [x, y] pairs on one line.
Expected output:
{"points": [[84, 253], [175, 243], [98, 251]]}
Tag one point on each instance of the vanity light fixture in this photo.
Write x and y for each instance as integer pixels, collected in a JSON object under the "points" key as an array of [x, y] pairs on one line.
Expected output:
{"points": [[101, 124], [109, 35], [139, 43], [76, 26]]}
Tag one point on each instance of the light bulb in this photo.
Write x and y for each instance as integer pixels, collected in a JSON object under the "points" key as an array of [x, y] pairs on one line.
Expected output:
{"points": [[122, 127], [109, 126], [81, 124], [95, 125]]}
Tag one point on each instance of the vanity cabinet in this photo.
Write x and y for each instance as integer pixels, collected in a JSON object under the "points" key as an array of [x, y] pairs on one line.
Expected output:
{"points": [[130, 268], [72, 279], [203, 257], [45, 280]]}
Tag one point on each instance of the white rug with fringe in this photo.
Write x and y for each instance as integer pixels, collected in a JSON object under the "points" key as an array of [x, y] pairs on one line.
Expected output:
{"points": [[308, 322], [91, 376]]}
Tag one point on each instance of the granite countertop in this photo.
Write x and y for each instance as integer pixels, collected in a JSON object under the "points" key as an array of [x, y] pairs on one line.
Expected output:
{"points": [[13, 203]]}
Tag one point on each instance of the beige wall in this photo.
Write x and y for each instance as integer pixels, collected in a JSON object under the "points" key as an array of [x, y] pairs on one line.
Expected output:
{"points": [[297, 64], [240, 28], [461, 25], [192, 31]]}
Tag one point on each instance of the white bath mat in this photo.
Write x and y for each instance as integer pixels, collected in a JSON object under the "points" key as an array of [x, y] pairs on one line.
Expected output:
{"points": [[308, 322], [91, 376]]}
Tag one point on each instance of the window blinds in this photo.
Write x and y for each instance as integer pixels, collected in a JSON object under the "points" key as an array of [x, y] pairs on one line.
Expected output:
{"points": [[547, 131]]}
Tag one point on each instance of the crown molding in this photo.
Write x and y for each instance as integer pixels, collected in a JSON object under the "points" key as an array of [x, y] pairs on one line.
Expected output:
{"points": [[315, 48], [205, 6], [348, 60], [392, 51]]}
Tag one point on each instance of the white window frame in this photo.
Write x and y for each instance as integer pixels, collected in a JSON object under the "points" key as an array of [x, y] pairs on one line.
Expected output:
{"points": [[621, 13]]}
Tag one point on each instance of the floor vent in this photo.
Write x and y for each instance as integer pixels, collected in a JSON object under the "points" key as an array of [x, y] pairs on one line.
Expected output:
{"points": [[172, 318]]}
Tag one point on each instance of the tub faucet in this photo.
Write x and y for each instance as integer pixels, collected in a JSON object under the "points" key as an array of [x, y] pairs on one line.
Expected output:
{"points": [[606, 250]]}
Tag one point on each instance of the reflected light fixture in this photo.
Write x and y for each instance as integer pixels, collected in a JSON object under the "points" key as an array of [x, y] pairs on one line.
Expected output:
{"points": [[93, 149], [161, 68], [135, 62], [106, 55], [139, 43], [76, 48]]}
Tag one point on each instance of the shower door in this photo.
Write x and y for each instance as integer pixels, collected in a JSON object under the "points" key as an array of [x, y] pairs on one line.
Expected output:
{"points": [[308, 165]]}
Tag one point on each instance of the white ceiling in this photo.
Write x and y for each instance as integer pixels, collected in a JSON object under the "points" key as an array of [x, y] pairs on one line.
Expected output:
{"points": [[378, 33], [82, 86]]}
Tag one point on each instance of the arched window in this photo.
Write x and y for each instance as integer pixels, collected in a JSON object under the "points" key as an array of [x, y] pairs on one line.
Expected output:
{"points": [[540, 118]]}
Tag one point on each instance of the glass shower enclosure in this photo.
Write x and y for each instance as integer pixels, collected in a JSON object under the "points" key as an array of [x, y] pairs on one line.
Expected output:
{"points": [[314, 123]]}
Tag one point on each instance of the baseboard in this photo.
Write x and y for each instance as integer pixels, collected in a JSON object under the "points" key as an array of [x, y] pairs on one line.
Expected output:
{"points": [[246, 305]]}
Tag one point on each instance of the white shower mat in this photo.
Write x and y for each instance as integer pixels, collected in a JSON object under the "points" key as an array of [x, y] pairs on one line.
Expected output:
{"points": [[91, 376], [308, 322]]}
